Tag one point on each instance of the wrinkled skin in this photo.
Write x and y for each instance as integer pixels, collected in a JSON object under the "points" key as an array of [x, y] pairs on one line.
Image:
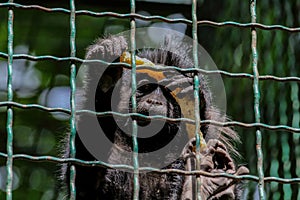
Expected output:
{"points": [[214, 159]]}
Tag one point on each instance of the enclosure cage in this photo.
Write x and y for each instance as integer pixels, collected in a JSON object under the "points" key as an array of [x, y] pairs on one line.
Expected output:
{"points": [[255, 45]]}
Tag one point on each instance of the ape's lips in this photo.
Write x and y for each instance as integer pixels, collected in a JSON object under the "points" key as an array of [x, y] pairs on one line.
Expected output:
{"points": [[141, 121]]}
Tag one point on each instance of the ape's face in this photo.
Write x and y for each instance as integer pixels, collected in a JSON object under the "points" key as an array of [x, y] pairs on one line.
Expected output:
{"points": [[153, 98]]}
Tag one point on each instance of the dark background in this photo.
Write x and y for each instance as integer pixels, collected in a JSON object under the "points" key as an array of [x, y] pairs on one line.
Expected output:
{"points": [[47, 82]]}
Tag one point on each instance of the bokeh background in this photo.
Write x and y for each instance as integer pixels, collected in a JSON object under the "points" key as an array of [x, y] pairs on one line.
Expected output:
{"points": [[47, 82]]}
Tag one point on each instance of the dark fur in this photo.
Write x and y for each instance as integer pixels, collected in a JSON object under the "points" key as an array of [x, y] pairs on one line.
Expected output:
{"points": [[101, 183]]}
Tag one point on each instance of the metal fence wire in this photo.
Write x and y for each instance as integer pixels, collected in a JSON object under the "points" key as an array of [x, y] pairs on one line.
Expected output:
{"points": [[257, 125]]}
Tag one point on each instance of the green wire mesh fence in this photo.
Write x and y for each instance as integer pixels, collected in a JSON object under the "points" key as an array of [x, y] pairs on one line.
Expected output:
{"points": [[257, 81]]}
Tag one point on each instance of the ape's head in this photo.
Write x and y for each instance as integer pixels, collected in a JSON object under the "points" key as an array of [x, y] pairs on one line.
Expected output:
{"points": [[160, 91]]}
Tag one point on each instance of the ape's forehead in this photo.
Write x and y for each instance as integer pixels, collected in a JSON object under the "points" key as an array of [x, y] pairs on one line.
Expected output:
{"points": [[156, 75], [143, 62]]}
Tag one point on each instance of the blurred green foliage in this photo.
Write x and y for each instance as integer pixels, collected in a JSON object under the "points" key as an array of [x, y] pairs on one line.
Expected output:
{"points": [[39, 133]]}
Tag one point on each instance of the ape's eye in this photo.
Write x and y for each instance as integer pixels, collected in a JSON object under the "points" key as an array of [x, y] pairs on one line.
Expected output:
{"points": [[147, 88]]}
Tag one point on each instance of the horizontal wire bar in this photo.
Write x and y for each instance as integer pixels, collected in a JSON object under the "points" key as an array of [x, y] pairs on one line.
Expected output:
{"points": [[150, 18], [34, 106], [148, 169], [208, 72], [249, 25], [67, 160], [156, 117]]}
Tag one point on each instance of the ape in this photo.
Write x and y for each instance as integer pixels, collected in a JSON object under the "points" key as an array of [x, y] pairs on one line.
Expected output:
{"points": [[166, 93]]}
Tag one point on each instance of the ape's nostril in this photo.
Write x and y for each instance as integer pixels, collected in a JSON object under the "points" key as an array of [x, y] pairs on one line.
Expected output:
{"points": [[154, 102]]}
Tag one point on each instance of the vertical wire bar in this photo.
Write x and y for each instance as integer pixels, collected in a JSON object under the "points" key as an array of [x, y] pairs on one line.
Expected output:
{"points": [[293, 140], [136, 185], [9, 122], [256, 101], [72, 99], [196, 96]]}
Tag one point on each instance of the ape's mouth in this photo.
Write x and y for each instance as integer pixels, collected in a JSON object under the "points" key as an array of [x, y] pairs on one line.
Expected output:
{"points": [[142, 121]]}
